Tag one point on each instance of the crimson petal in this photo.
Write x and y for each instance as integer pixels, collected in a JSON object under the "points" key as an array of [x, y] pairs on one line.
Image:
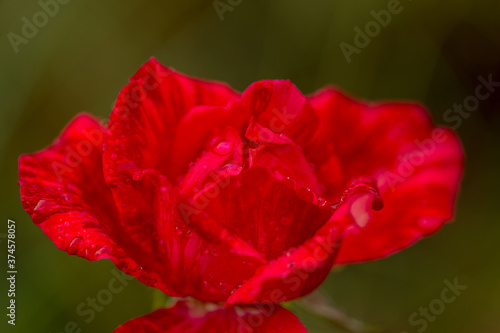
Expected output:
{"points": [[142, 127], [198, 126], [63, 189], [197, 318], [191, 252], [302, 269], [279, 106], [268, 211], [417, 167], [280, 155], [224, 158]]}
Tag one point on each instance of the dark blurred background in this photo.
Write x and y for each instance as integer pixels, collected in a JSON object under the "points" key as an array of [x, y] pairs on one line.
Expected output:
{"points": [[430, 51]]}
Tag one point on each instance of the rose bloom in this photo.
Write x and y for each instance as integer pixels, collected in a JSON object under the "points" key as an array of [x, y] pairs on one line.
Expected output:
{"points": [[240, 201]]}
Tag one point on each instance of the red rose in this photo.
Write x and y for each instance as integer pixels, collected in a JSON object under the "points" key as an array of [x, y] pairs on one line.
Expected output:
{"points": [[248, 198]]}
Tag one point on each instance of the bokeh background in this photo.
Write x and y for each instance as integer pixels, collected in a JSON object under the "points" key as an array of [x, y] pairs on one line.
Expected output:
{"points": [[432, 52]]}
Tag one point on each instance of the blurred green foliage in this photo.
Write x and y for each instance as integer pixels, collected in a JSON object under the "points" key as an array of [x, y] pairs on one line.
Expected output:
{"points": [[432, 52]]}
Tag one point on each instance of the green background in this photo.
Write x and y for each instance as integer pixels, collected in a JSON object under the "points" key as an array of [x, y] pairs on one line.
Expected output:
{"points": [[432, 52]]}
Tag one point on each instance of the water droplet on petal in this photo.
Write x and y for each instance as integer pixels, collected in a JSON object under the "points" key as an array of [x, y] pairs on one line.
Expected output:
{"points": [[352, 230], [223, 148], [66, 224], [60, 230], [114, 156], [40, 205], [321, 201], [178, 231], [138, 175], [223, 286], [429, 223]]}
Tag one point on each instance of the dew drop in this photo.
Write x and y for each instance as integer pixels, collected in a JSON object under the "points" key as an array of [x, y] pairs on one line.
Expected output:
{"points": [[40, 205], [60, 230], [178, 231], [138, 175], [352, 230], [223, 148], [429, 223], [223, 286], [66, 224], [335, 205], [114, 156]]}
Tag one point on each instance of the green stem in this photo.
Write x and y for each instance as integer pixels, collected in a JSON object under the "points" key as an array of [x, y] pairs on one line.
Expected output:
{"points": [[321, 305]]}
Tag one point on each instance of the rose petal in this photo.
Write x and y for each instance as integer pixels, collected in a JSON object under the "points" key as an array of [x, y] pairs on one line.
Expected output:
{"points": [[63, 189], [280, 155], [197, 128], [192, 263], [145, 118], [224, 158], [279, 106], [415, 204], [142, 128], [417, 166], [199, 258], [270, 213], [302, 269], [187, 318]]}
